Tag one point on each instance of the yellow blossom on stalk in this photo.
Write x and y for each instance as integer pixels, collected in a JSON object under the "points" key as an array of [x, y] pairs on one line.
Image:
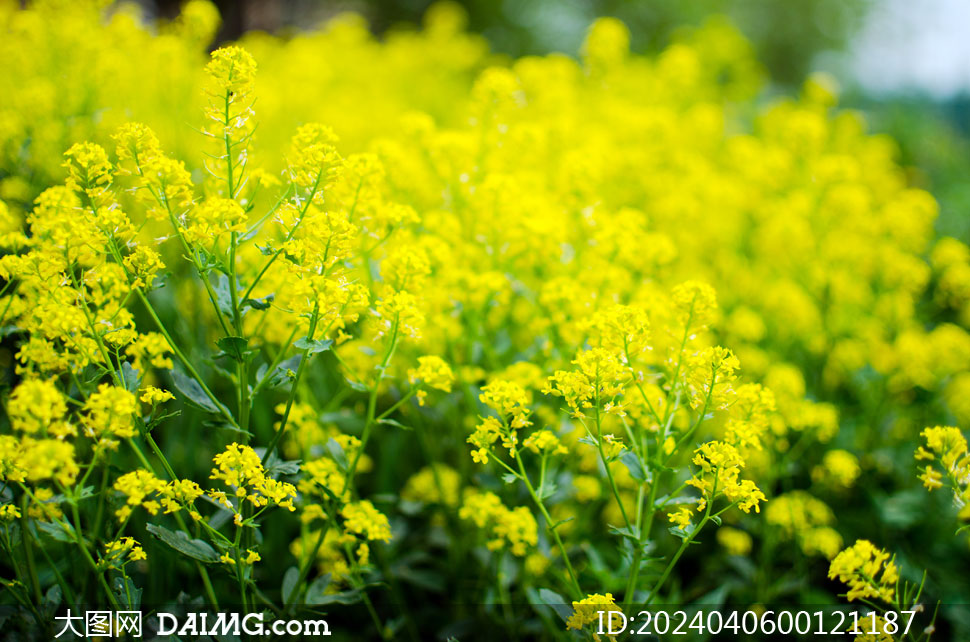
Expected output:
{"points": [[839, 468], [734, 540], [122, 551], [232, 70], [110, 412], [363, 519], [90, 173], [587, 611], [544, 442], [9, 512], [323, 473], [313, 161], [867, 571], [44, 459], [620, 329], [153, 396], [598, 379], [680, 517], [696, 303], [423, 486], [212, 218], [720, 467], [400, 310], [515, 528], [240, 468], [143, 263], [37, 405], [149, 349], [710, 375], [509, 400], [806, 519], [946, 448], [138, 486], [433, 372]]}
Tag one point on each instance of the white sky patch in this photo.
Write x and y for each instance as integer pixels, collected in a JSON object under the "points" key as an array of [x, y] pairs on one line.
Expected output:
{"points": [[914, 45]]}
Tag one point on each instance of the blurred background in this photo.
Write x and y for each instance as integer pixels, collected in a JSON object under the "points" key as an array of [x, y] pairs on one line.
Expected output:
{"points": [[905, 64]]}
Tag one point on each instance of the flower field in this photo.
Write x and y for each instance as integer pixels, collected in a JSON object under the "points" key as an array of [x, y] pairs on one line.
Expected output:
{"points": [[435, 343]]}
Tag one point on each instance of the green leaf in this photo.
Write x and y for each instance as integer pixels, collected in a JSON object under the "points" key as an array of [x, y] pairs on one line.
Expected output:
{"points": [[282, 373], [359, 387], [313, 346], [557, 603], [633, 464], [509, 478], [123, 588], [259, 304], [223, 295], [337, 452], [625, 532], [344, 597], [55, 531], [276, 466], [316, 592], [548, 490], [395, 423], [194, 548], [131, 376], [290, 577], [234, 347], [193, 392]]}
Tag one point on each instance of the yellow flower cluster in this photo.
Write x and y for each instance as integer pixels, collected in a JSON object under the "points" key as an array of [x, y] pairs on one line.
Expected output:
{"points": [[587, 611], [515, 528], [946, 450], [142, 488], [240, 468], [806, 519], [719, 475], [361, 518], [867, 571]]}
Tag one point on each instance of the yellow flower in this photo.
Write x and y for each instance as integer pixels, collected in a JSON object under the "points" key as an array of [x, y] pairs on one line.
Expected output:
{"points": [[867, 571], [363, 519]]}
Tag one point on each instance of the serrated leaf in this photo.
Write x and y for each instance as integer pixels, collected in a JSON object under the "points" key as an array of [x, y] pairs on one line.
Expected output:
{"points": [[192, 392], [548, 490], [313, 346], [194, 548], [234, 347], [557, 603]]}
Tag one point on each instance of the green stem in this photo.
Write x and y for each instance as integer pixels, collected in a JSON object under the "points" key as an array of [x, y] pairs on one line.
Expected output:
{"points": [[550, 525]]}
